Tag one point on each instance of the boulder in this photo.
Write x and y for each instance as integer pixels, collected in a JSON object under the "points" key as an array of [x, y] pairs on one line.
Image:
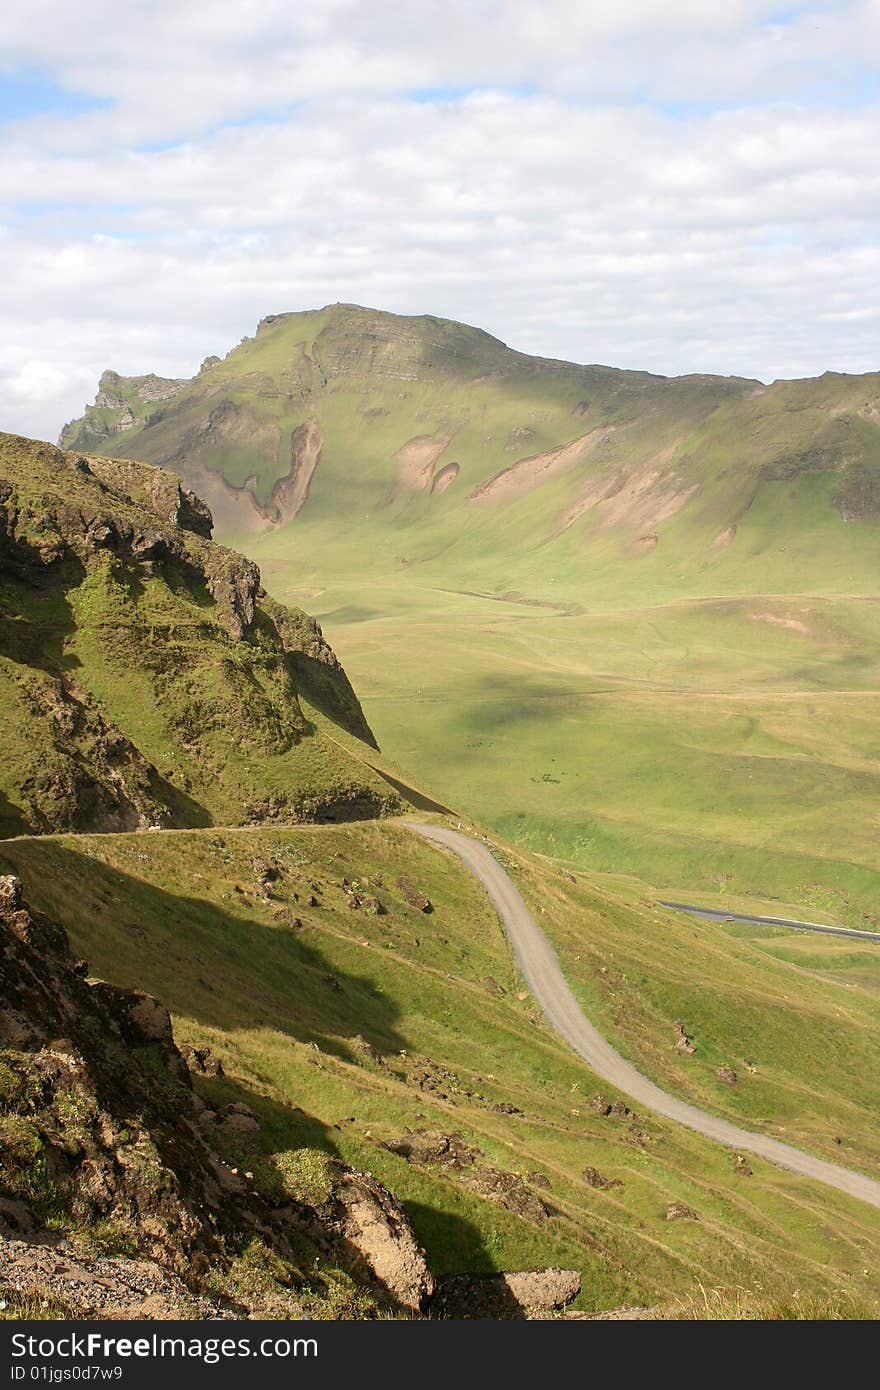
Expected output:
{"points": [[593, 1178], [412, 896], [203, 1061], [447, 1150], [374, 1224], [510, 1191], [237, 1122], [679, 1211]]}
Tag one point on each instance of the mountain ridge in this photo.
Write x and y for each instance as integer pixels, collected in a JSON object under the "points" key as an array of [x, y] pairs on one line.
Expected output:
{"points": [[350, 413]]}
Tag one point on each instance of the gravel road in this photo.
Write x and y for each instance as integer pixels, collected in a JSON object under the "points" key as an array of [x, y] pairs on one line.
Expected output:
{"points": [[541, 971]]}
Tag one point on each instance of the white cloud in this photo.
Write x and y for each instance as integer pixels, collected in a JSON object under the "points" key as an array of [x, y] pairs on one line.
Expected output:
{"points": [[563, 204], [173, 69]]}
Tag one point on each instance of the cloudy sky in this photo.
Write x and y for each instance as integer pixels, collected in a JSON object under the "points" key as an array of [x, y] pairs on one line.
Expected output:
{"points": [[680, 186]]}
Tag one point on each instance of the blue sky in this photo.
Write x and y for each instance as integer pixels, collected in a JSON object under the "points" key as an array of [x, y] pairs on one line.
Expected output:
{"points": [[25, 93], [677, 187]]}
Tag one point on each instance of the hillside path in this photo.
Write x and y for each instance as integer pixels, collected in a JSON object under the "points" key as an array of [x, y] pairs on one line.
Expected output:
{"points": [[543, 975]]}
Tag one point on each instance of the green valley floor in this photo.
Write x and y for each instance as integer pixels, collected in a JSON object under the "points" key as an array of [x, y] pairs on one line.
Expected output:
{"points": [[723, 750]]}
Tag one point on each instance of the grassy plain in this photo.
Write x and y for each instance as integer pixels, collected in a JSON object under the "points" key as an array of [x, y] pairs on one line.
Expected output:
{"points": [[722, 748]]}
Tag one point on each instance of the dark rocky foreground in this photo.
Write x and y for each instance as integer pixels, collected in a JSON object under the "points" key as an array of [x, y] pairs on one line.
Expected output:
{"points": [[107, 1151]]}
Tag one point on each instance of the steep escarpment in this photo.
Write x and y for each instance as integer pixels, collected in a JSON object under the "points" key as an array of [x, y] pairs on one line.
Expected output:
{"points": [[149, 679], [120, 1193]]}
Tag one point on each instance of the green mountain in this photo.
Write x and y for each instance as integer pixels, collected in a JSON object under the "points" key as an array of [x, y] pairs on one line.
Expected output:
{"points": [[626, 620], [147, 678], [427, 442]]}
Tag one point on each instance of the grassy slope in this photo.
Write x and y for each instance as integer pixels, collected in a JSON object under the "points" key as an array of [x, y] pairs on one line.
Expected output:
{"points": [[163, 911], [198, 705], [88, 635]]}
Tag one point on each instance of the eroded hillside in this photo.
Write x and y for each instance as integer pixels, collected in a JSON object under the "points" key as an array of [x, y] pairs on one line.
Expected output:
{"points": [[423, 441]]}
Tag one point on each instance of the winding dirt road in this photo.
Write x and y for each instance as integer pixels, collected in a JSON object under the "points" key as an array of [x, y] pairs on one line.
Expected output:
{"points": [[541, 971]]}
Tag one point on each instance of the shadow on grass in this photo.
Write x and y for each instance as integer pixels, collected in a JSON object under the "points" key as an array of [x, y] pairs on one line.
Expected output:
{"points": [[36, 618], [459, 1243], [224, 969], [415, 798], [282, 1126], [12, 821]]}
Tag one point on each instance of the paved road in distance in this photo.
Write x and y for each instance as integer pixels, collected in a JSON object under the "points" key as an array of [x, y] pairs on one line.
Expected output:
{"points": [[715, 914]]}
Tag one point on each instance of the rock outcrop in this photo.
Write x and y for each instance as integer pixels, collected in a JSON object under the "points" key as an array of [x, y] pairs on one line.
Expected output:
{"points": [[373, 1221], [517, 1294], [98, 1113], [680, 1211], [113, 585], [119, 405]]}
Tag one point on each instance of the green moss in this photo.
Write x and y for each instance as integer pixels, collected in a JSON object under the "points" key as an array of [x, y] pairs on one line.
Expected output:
{"points": [[18, 1086], [258, 1277], [317, 1289], [114, 1238], [20, 1141], [304, 1175], [76, 1111], [26, 1172]]}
